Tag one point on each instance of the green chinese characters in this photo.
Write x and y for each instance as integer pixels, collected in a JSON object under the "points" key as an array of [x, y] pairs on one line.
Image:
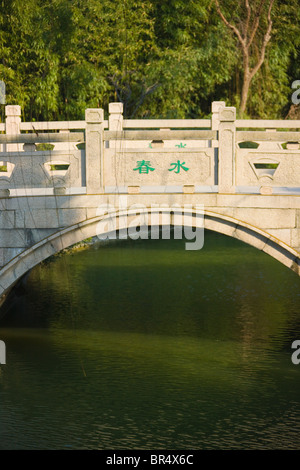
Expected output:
{"points": [[144, 166]]}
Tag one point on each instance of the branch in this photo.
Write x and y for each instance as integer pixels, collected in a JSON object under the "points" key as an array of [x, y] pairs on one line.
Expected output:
{"points": [[146, 92], [256, 23], [229, 25], [124, 93], [267, 38], [248, 8], [115, 83]]}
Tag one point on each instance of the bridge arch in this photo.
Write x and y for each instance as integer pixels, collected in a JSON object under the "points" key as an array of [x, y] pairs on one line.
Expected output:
{"points": [[76, 233]]}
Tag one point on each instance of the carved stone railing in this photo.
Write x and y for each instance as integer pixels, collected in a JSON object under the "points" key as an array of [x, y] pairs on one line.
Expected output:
{"points": [[272, 165], [98, 156]]}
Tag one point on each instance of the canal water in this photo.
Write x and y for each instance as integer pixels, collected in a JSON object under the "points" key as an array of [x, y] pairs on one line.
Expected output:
{"points": [[144, 345]]}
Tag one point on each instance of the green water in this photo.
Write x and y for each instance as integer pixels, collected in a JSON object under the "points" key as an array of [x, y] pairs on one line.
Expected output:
{"points": [[143, 345]]}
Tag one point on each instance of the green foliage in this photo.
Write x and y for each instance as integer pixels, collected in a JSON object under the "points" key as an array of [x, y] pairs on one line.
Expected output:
{"points": [[160, 58], [266, 166], [44, 147], [59, 167], [248, 145]]}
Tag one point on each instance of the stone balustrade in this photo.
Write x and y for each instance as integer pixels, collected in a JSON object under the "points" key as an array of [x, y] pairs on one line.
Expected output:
{"points": [[97, 156]]}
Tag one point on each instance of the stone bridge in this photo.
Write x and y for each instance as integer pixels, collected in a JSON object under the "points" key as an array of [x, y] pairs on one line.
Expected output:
{"points": [[63, 182]]}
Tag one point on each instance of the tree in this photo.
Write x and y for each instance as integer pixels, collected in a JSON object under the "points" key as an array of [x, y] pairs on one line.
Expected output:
{"points": [[251, 30], [196, 56], [161, 59]]}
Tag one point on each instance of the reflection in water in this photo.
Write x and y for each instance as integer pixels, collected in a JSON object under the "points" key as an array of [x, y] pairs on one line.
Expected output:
{"points": [[143, 345]]}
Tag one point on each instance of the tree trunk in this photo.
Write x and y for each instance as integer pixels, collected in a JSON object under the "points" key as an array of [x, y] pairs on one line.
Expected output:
{"points": [[246, 38], [245, 92]]}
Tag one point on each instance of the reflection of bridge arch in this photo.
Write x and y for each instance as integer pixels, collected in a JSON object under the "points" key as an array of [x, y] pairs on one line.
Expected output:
{"points": [[76, 233]]}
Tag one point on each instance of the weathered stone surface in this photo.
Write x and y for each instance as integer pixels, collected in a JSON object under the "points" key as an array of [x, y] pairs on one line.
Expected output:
{"points": [[159, 168], [7, 254], [7, 219], [282, 255], [53, 218], [267, 218], [247, 236], [286, 174], [33, 170], [12, 238], [283, 234]]}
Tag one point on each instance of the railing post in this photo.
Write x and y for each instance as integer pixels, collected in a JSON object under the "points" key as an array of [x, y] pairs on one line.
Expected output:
{"points": [[227, 130], [13, 126], [115, 121], [94, 150], [216, 108]]}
